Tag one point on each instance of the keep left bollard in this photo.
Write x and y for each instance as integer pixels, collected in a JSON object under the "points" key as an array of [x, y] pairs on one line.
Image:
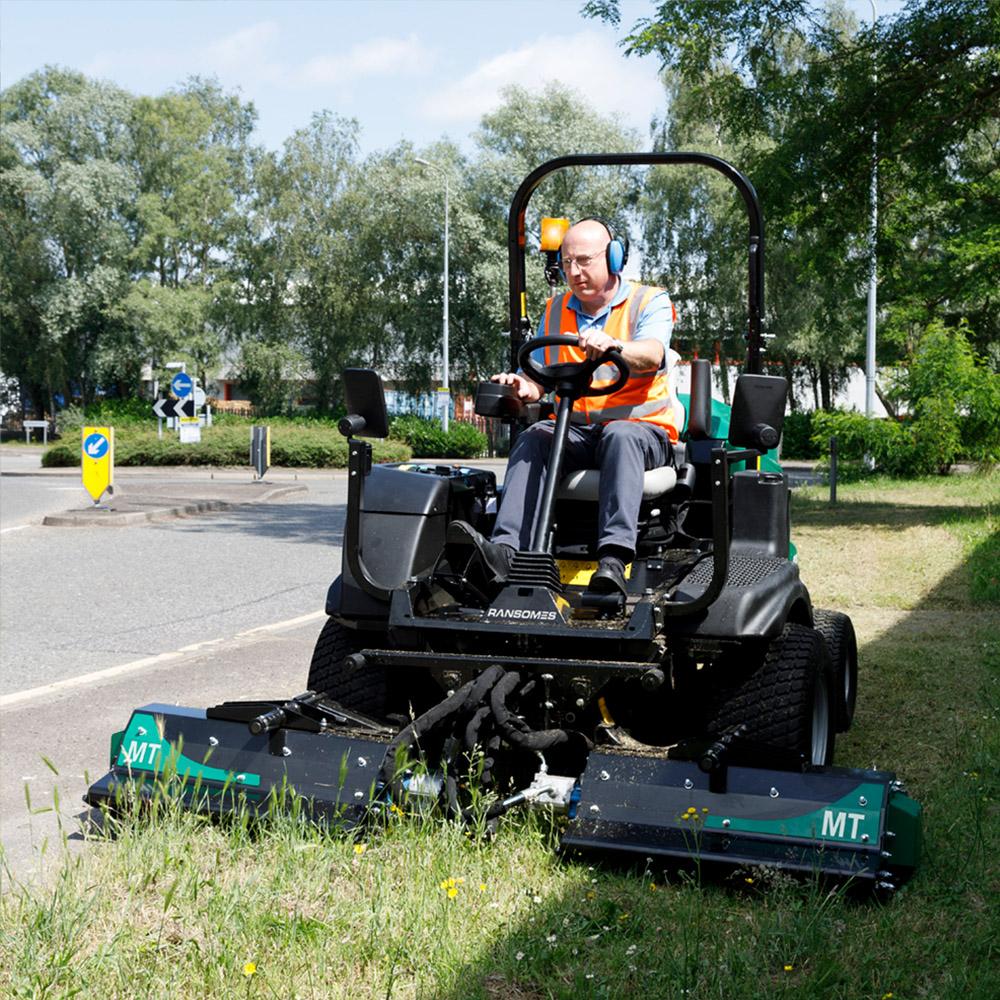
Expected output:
{"points": [[97, 461]]}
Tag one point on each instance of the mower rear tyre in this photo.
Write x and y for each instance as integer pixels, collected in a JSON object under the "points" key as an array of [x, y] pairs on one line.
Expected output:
{"points": [[787, 701], [364, 689], [838, 633]]}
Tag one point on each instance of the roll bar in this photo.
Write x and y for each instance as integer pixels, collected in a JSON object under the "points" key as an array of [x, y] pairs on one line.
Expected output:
{"points": [[516, 241]]}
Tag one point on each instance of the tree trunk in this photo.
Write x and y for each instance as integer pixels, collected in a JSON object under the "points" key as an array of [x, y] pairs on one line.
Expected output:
{"points": [[890, 407], [824, 386]]}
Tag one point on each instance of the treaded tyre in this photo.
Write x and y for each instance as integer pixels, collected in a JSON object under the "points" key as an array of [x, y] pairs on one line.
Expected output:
{"points": [[838, 633], [363, 690], [786, 702]]}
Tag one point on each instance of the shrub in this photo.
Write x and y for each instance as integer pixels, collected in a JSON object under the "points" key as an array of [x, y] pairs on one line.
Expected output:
{"points": [[915, 447], [796, 436], [295, 446], [428, 440]]}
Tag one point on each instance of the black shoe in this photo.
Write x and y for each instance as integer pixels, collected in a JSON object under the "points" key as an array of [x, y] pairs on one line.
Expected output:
{"points": [[609, 576], [496, 558]]}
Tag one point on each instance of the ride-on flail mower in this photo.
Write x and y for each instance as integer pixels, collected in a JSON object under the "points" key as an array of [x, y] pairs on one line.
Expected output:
{"points": [[692, 716]]}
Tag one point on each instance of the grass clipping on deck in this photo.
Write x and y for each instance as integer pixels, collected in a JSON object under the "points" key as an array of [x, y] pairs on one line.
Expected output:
{"points": [[186, 908]]}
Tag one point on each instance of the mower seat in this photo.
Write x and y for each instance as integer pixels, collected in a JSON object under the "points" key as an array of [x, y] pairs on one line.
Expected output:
{"points": [[584, 484]]}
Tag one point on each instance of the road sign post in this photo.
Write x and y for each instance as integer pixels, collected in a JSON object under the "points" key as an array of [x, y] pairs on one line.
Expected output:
{"points": [[97, 461], [260, 450]]}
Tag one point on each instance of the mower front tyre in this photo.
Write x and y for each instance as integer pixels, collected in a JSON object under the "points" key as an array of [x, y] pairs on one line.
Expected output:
{"points": [[787, 699], [838, 633], [361, 689]]}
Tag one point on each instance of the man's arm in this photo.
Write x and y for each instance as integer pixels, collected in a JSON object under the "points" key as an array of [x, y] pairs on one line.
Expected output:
{"points": [[647, 352]]}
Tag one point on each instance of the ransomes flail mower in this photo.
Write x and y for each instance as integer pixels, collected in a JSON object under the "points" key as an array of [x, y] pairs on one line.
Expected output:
{"points": [[692, 716]]}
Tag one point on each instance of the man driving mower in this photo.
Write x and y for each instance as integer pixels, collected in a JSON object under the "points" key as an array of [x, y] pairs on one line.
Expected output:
{"points": [[623, 434]]}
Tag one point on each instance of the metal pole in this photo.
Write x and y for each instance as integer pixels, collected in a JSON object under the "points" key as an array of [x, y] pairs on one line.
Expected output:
{"points": [[446, 386], [873, 269], [833, 469]]}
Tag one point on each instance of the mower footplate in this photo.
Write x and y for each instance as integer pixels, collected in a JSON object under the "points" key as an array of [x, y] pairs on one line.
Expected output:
{"points": [[835, 821], [217, 766]]}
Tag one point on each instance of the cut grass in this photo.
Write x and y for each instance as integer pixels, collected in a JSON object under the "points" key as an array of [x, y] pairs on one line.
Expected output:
{"points": [[181, 906]]}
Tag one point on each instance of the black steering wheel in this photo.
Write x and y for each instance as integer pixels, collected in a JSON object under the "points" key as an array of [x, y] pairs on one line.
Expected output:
{"points": [[571, 378]]}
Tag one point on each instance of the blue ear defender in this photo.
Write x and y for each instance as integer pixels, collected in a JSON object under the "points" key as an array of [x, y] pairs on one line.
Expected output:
{"points": [[616, 253]]}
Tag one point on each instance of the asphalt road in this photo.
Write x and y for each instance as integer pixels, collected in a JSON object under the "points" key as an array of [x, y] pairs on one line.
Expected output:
{"points": [[96, 621]]}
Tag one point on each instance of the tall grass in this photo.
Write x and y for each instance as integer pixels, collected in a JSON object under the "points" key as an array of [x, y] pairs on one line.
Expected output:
{"points": [[183, 907]]}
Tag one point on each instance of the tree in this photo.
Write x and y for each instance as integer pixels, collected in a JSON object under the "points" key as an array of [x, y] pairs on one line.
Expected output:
{"points": [[68, 198], [800, 91]]}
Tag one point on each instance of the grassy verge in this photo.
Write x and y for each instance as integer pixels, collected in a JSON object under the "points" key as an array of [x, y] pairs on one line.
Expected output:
{"points": [[189, 909]]}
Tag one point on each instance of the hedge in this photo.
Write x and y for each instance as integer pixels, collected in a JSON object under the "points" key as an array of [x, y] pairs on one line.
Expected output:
{"points": [[229, 445], [428, 440]]}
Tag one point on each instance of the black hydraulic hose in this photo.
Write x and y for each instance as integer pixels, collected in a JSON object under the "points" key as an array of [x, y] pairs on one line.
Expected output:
{"points": [[467, 697], [515, 730], [475, 725]]}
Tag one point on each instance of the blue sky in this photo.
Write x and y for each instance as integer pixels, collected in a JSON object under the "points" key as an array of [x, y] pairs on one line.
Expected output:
{"points": [[406, 69]]}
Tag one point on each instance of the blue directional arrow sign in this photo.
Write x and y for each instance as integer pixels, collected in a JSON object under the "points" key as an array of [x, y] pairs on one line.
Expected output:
{"points": [[95, 446], [181, 385]]}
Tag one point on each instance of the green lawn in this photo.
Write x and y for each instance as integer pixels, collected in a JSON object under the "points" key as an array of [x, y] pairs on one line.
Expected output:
{"points": [[181, 907]]}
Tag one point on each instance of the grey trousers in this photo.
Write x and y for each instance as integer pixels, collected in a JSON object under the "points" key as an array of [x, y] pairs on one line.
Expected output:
{"points": [[622, 449]]}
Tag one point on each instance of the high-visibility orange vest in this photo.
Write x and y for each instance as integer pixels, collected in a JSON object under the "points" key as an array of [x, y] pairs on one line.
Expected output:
{"points": [[645, 396]]}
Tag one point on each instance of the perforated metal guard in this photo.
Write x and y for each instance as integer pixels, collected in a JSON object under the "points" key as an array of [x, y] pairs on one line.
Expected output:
{"points": [[744, 571]]}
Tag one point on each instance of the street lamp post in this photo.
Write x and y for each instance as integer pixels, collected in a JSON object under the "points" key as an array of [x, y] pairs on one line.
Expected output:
{"points": [[872, 268], [445, 387]]}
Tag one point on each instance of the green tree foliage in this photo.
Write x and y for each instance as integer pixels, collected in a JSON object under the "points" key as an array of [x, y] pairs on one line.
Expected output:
{"points": [[120, 217], [68, 195], [798, 92]]}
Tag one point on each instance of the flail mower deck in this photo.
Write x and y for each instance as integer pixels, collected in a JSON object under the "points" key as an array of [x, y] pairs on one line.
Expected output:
{"points": [[692, 717]]}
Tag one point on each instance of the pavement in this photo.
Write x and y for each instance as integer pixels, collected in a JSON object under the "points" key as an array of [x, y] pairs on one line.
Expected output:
{"points": [[157, 493]]}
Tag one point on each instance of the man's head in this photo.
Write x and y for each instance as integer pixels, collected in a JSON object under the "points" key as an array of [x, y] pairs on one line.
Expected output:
{"points": [[584, 261]]}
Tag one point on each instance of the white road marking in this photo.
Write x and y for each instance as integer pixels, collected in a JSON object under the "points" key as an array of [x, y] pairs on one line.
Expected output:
{"points": [[17, 527], [149, 661]]}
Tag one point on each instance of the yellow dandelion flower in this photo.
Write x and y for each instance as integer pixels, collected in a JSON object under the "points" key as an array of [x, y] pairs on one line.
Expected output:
{"points": [[482, 887], [359, 849], [249, 969], [444, 884], [788, 968], [452, 892], [749, 881], [886, 996], [652, 887]]}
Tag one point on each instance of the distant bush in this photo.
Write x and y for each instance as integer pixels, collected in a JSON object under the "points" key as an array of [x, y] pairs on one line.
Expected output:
{"points": [[914, 447], [106, 413], [428, 440], [796, 436], [295, 446]]}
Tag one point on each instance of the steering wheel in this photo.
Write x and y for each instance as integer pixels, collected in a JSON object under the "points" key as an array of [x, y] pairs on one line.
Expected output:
{"points": [[571, 378]]}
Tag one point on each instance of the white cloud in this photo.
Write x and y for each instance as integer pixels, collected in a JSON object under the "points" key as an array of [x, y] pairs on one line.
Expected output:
{"points": [[242, 48], [588, 62], [377, 57]]}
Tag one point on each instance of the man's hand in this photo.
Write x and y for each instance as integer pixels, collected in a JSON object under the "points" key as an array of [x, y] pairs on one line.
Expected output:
{"points": [[639, 355], [596, 342], [527, 390]]}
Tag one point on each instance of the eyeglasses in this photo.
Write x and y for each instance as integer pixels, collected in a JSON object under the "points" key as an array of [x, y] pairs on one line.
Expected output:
{"points": [[582, 261]]}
